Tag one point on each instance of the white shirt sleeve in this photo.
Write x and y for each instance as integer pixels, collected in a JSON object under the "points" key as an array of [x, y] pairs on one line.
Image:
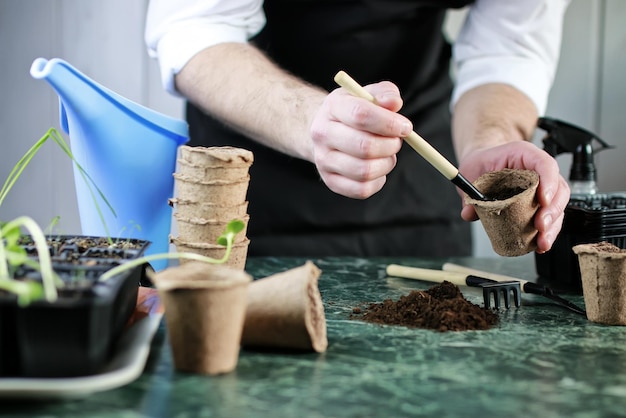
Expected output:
{"points": [[516, 42], [176, 30]]}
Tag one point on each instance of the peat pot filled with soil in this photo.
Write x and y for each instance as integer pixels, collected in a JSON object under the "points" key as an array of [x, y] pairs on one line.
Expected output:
{"points": [[508, 218], [75, 334]]}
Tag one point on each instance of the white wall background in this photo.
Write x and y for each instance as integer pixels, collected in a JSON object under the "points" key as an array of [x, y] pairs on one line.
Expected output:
{"points": [[104, 40]]}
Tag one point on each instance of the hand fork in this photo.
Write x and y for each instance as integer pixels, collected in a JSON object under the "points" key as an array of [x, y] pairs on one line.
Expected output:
{"points": [[527, 287], [505, 289]]}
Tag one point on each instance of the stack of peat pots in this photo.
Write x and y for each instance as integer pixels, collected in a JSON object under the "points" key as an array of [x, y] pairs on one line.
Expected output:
{"points": [[212, 184]]}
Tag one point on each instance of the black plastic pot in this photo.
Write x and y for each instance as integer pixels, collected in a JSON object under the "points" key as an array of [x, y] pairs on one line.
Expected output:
{"points": [[74, 335]]}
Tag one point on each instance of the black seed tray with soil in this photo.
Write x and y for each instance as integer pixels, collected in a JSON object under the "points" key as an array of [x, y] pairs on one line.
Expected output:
{"points": [[74, 335]]}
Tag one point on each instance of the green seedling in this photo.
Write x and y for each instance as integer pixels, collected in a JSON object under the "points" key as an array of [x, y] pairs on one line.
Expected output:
{"points": [[12, 255], [226, 239], [17, 170]]}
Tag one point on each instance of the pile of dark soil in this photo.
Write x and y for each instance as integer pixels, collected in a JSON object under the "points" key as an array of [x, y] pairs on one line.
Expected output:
{"points": [[441, 308]]}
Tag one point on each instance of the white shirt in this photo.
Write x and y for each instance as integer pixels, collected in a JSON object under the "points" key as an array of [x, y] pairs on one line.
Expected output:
{"points": [[516, 42]]}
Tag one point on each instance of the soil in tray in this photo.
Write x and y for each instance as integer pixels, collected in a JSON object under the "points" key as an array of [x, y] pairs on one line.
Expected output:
{"points": [[441, 308], [87, 250]]}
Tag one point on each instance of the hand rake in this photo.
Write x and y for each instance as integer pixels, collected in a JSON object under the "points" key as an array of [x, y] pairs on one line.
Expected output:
{"points": [[527, 287], [505, 289]]}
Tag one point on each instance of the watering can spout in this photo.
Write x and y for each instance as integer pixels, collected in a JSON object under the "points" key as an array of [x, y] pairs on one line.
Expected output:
{"points": [[41, 69], [127, 150]]}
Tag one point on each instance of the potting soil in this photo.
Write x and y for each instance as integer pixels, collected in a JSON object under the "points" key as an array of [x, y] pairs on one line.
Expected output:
{"points": [[441, 308]]}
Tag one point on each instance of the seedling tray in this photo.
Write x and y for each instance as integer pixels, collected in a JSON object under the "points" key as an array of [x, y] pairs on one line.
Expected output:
{"points": [[588, 219], [74, 335]]}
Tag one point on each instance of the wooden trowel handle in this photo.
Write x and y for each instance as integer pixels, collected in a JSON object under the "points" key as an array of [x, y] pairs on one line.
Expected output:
{"points": [[418, 143], [428, 275]]}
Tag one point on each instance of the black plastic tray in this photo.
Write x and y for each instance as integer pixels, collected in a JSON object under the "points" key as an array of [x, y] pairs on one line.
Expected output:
{"points": [[588, 219], [74, 335]]}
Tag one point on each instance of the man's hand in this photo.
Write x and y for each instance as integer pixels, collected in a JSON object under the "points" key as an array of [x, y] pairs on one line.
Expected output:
{"points": [[553, 192], [355, 142]]}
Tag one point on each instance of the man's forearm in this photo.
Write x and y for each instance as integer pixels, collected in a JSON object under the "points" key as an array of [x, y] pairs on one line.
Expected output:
{"points": [[239, 85], [490, 115]]}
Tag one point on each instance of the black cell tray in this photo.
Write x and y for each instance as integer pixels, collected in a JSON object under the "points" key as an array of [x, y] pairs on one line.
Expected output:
{"points": [[75, 335], [588, 219]]}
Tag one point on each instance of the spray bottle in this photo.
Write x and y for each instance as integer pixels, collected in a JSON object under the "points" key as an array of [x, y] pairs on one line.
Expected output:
{"points": [[562, 137]]}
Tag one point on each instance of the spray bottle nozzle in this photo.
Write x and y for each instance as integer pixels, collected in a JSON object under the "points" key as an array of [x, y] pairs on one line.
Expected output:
{"points": [[564, 137]]}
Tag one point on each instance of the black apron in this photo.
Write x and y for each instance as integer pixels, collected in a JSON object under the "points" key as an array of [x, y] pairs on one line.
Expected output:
{"points": [[292, 212]]}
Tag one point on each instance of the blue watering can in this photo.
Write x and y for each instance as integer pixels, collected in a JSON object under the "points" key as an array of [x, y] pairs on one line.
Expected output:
{"points": [[128, 150]]}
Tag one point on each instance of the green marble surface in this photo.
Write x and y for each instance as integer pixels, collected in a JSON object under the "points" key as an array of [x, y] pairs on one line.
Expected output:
{"points": [[541, 361]]}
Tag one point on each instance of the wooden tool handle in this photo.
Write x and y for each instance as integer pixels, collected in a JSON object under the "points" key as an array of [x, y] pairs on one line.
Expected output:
{"points": [[456, 268], [418, 143], [428, 275]]}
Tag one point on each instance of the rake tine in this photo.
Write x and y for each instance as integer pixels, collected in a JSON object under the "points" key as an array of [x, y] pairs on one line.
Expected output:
{"points": [[504, 289]]}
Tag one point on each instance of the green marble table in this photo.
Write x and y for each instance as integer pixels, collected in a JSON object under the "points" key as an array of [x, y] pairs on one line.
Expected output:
{"points": [[541, 361]]}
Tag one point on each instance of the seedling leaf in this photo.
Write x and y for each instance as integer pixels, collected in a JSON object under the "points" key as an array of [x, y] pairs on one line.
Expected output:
{"points": [[232, 228], [227, 238]]}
